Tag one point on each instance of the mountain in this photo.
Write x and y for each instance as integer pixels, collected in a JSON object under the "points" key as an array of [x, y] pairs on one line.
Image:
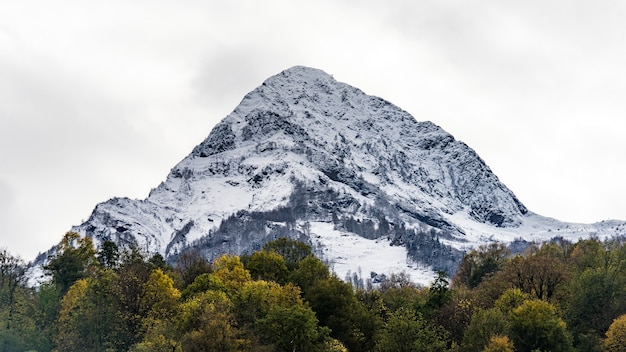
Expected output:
{"points": [[305, 156]]}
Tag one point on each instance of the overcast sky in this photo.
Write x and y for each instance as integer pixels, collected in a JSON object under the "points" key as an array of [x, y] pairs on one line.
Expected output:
{"points": [[102, 98]]}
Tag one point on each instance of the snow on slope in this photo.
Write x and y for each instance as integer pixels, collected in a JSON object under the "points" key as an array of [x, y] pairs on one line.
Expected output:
{"points": [[534, 228], [348, 253]]}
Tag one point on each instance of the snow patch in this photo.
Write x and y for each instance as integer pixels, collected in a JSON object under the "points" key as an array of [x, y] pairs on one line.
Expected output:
{"points": [[346, 252]]}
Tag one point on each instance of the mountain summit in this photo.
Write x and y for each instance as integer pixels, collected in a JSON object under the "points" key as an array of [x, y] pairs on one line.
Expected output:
{"points": [[305, 156]]}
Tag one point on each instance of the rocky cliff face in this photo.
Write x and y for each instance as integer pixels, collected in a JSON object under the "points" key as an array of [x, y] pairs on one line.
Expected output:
{"points": [[306, 156]]}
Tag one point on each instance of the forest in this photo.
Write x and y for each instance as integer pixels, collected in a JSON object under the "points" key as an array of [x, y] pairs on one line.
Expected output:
{"points": [[556, 296]]}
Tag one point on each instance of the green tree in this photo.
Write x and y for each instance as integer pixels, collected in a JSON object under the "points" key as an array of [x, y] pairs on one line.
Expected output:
{"points": [[46, 306], [74, 259], [511, 299], [24, 325], [439, 292], [480, 263], [268, 266], [372, 301], [337, 307], [309, 271], [596, 293], [293, 329], [202, 283], [535, 325], [406, 330], [485, 324], [109, 254], [292, 251], [594, 301], [589, 254], [158, 262], [408, 296]]}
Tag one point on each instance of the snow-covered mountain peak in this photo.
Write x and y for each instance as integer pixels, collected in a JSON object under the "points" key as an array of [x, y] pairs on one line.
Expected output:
{"points": [[342, 131], [308, 157]]}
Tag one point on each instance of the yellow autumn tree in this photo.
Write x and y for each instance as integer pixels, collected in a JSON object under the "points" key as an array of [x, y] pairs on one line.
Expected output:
{"points": [[160, 304], [230, 270], [616, 335], [160, 299], [255, 299], [88, 318], [207, 323], [71, 331], [499, 344]]}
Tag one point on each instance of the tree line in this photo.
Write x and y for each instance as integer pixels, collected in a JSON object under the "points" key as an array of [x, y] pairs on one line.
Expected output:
{"points": [[556, 296]]}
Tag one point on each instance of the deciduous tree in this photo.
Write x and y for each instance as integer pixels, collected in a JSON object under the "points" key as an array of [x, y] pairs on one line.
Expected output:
{"points": [[230, 270], [268, 266], [535, 325], [74, 259], [499, 344], [406, 330], [292, 251], [485, 323], [309, 271], [293, 329], [480, 263], [616, 335], [160, 298], [207, 324]]}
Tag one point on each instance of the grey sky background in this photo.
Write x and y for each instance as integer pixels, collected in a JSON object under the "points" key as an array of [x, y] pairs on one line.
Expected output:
{"points": [[102, 99]]}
